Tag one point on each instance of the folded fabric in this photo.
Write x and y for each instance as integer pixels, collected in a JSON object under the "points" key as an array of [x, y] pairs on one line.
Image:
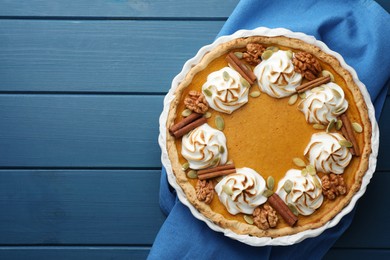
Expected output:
{"points": [[359, 31]]}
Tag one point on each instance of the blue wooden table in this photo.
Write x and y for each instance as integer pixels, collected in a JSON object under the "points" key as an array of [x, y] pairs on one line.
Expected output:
{"points": [[81, 88]]}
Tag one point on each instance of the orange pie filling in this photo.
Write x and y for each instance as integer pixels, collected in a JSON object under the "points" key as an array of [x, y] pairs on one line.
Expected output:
{"points": [[270, 135]]}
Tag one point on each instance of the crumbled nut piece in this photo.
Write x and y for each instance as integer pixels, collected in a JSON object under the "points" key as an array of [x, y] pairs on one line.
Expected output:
{"points": [[253, 52], [265, 217], [196, 102], [307, 65], [333, 185], [205, 191]]}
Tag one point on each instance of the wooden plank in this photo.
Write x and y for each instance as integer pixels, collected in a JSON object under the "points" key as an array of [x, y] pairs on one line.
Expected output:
{"points": [[370, 227], [94, 131], [97, 253], [97, 56], [357, 254], [79, 207], [119, 8], [384, 144], [79, 131], [385, 4], [74, 252], [117, 207], [124, 9]]}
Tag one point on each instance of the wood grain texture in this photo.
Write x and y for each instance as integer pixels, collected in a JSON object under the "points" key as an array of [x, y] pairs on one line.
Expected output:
{"points": [[384, 144], [79, 131], [119, 207], [119, 8], [94, 131], [370, 220], [363, 253], [135, 253], [103, 56], [79, 207], [124, 8], [74, 252], [97, 56], [81, 88]]}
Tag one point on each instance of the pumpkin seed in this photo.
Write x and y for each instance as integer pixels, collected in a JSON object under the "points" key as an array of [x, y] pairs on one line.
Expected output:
{"points": [[289, 54], [227, 189], [270, 182], [207, 92], [302, 95], [317, 182], [336, 93], [345, 143], [266, 54], [267, 193], [339, 111], [186, 112], [185, 166], [255, 94], [272, 48], [357, 127], [244, 82], [330, 126], [215, 161], [326, 73], [304, 172], [293, 209], [248, 219], [238, 54], [220, 123], [317, 89], [287, 186], [230, 162], [318, 126], [311, 170], [225, 76], [339, 124], [293, 99], [207, 115], [221, 149], [299, 162], [192, 174]]}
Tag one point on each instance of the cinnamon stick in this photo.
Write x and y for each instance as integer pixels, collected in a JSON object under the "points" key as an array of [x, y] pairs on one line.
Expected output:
{"points": [[215, 174], [218, 168], [278, 204], [182, 131], [241, 68], [184, 122], [349, 134], [312, 84]]}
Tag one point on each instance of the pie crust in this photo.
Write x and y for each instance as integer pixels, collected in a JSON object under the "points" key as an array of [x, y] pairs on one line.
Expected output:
{"points": [[320, 218]]}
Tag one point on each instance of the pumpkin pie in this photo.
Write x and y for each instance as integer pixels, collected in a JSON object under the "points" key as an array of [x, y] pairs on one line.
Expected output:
{"points": [[268, 136]]}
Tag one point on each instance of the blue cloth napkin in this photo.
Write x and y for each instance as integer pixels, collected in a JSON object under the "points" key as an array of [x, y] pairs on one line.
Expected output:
{"points": [[360, 32]]}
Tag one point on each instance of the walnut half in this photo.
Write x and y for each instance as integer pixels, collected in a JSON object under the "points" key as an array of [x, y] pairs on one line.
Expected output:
{"points": [[205, 191], [196, 102], [253, 52], [265, 217], [333, 185], [307, 65]]}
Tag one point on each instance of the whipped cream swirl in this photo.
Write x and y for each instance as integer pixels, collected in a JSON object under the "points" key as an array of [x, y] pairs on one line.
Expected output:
{"points": [[225, 90], [324, 104], [326, 154], [306, 193], [276, 75], [241, 191], [201, 147]]}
